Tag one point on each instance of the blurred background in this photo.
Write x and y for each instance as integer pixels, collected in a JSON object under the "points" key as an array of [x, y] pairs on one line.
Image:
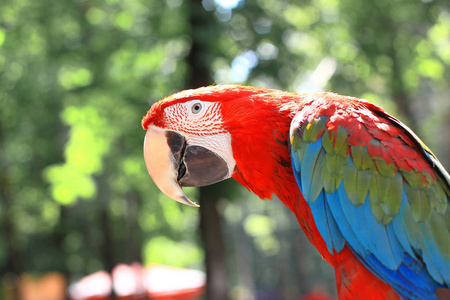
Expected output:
{"points": [[77, 76]]}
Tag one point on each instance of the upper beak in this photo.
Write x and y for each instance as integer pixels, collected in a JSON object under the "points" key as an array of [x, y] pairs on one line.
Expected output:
{"points": [[172, 163]]}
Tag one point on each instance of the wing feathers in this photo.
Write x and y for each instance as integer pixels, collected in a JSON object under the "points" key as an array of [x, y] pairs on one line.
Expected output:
{"points": [[369, 186]]}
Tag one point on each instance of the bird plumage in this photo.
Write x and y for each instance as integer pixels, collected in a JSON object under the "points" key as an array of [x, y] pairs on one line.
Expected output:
{"points": [[374, 188], [367, 192]]}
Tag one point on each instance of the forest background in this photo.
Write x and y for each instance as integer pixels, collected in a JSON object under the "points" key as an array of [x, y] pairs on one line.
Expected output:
{"points": [[77, 76]]}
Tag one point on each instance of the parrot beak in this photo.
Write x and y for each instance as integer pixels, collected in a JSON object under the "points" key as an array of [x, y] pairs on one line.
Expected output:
{"points": [[173, 163]]}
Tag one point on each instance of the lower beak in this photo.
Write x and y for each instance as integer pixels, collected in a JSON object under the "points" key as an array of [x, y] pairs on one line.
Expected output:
{"points": [[172, 163]]}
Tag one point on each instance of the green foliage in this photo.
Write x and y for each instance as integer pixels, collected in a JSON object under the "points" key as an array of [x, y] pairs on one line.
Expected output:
{"points": [[76, 80], [161, 250], [261, 228]]}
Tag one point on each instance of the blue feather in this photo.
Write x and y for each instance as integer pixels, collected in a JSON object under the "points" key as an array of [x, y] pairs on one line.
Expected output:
{"points": [[435, 261], [397, 248], [296, 163], [307, 168], [342, 223], [380, 246], [324, 219], [420, 277], [405, 284], [399, 230], [416, 239], [297, 167], [326, 224], [356, 218]]}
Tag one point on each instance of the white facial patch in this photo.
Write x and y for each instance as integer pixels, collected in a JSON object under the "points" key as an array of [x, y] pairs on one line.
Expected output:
{"points": [[200, 122], [195, 117]]}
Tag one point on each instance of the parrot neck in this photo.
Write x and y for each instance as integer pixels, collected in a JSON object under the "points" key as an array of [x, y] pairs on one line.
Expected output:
{"points": [[259, 128]]}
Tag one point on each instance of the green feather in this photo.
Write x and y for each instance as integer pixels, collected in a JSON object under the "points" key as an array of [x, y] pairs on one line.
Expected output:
{"points": [[420, 206], [384, 168], [317, 126], [295, 141], [333, 169], [377, 211], [426, 207], [385, 195], [350, 183], [307, 133], [363, 180], [441, 234], [378, 191], [327, 142], [367, 160], [413, 230], [312, 130], [438, 198], [414, 178], [316, 182], [446, 187], [331, 162], [428, 179], [357, 156], [340, 144], [447, 219], [379, 214], [328, 179], [329, 173], [394, 198], [301, 150], [362, 159]]}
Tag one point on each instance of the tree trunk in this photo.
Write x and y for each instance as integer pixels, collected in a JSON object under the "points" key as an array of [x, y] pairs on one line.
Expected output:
{"points": [[446, 144], [14, 265], [202, 23], [211, 233], [107, 246], [398, 90]]}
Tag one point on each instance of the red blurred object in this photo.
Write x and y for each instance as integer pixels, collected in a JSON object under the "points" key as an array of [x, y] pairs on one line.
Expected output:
{"points": [[317, 294], [163, 282]]}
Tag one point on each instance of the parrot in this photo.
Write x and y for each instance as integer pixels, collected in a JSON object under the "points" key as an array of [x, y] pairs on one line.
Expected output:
{"points": [[367, 192]]}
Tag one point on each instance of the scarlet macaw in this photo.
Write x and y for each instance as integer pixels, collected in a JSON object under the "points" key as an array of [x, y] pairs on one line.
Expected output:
{"points": [[369, 195]]}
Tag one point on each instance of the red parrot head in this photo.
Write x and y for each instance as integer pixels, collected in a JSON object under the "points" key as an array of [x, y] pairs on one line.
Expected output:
{"points": [[200, 137]]}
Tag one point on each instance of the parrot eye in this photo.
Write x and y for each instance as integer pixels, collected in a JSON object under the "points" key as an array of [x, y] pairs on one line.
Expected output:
{"points": [[196, 108]]}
